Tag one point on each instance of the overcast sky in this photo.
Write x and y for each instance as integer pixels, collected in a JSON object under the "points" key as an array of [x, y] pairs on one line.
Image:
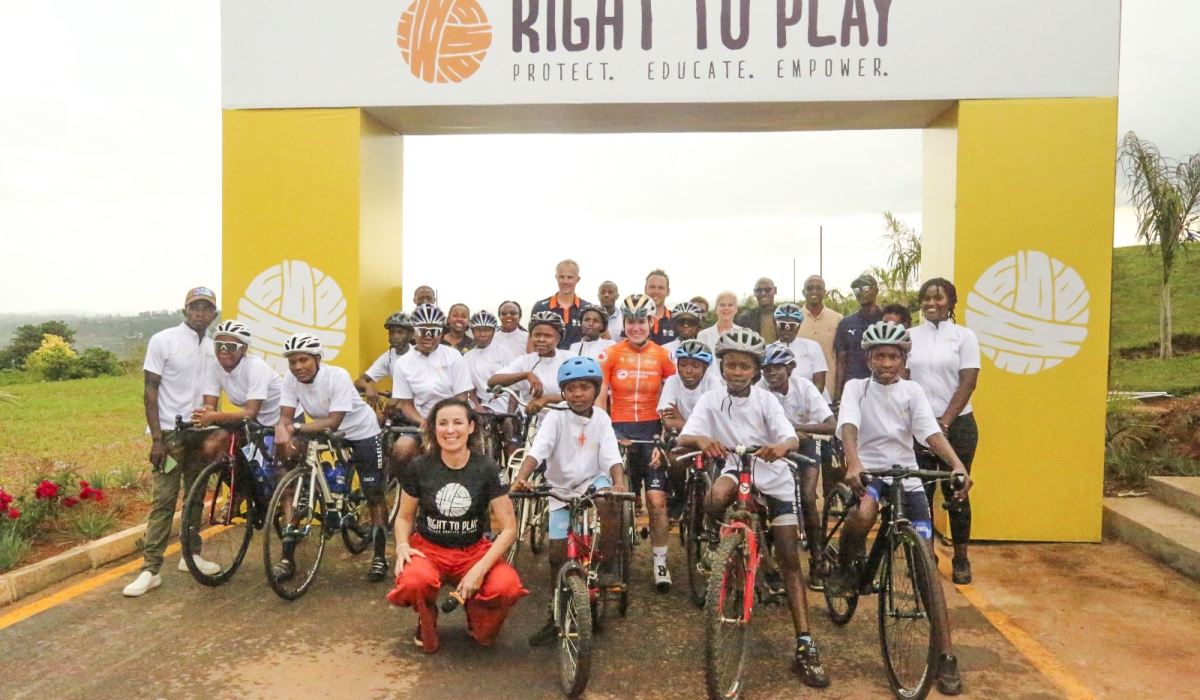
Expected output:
{"points": [[110, 192]]}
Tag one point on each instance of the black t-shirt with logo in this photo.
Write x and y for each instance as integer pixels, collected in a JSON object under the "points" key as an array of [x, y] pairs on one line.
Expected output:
{"points": [[452, 509], [848, 339]]}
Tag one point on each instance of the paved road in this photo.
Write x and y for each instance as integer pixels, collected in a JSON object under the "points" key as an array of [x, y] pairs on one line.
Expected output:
{"points": [[343, 640]]}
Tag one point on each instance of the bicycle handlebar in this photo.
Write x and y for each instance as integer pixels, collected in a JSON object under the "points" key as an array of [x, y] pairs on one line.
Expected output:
{"points": [[497, 390], [546, 491], [898, 472]]}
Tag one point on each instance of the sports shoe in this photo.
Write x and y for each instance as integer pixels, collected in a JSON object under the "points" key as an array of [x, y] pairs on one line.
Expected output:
{"points": [[205, 566], [774, 582], [283, 570], [807, 662], [144, 582], [378, 570], [662, 578], [962, 571], [948, 680], [546, 636], [417, 636]]}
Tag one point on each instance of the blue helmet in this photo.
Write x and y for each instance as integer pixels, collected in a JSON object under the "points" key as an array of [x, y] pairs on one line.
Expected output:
{"points": [[694, 350], [789, 312], [779, 354], [580, 368]]}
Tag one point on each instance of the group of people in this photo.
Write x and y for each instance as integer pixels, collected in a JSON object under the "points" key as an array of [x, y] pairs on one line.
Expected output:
{"points": [[777, 375]]}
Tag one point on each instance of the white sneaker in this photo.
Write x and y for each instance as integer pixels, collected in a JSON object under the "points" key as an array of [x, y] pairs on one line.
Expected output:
{"points": [[662, 578], [206, 567], [144, 582]]}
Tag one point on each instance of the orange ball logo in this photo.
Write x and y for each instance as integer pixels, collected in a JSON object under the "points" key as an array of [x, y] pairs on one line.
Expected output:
{"points": [[444, 41]]}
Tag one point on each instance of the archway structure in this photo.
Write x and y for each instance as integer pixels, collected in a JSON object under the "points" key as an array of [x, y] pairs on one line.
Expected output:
{"points": [[1017, 100]]}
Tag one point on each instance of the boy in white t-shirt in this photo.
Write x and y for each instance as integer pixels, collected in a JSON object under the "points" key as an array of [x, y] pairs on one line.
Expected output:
{"points": [[328, 397], [808, 413], [580, 450], [683, 389], [744, 414], [593, 321], [877, 423], [399, 328], [535, 375]]}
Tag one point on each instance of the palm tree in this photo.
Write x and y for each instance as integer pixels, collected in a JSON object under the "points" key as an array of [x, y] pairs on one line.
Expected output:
{"points": [[903, 271], [1165, 194]]}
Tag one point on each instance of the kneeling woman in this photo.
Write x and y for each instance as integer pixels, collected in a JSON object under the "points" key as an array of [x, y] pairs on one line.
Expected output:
{"points": [[440, 528]]}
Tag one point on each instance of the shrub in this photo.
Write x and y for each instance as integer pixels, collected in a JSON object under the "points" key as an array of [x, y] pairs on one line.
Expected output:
{"points": [[1127, 426], [93, 523], [12, 547], [54, 360], [97, 362], [128, 476]]}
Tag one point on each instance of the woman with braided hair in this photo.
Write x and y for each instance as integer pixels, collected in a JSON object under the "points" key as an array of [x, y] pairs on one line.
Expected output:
{"points": [[945, 363]]}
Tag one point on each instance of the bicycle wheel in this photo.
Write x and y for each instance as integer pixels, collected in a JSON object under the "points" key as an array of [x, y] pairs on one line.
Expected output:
{"points": [[699, 539], [521, 506], [907, 594], [223, 516], [625, 556], [575, 632], [539, 525], [841, 609], [305, 529], [392, 499], [356, 522], [726, 621]]}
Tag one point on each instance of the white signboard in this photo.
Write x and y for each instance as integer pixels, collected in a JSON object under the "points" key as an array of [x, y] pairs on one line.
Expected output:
{"points": [[366, 53]]}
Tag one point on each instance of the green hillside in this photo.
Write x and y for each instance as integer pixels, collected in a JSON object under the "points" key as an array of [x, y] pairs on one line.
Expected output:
{"points": [[1136, 277]]}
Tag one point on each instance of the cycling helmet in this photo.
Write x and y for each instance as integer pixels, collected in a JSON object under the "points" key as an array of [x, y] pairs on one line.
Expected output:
{"points": [[886, 333], [398, 320], [778, 354], [789, 312], [428, 315], [597, 308], [687, 308], [546, 318], [742, 340], [303, 342], [580, 368], [236, 329], [694, 350], [638, 306], [485, 319]]}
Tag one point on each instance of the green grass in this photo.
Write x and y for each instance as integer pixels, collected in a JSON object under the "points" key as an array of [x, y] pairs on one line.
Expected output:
{"points": [[1136, 278], [91, 425]]}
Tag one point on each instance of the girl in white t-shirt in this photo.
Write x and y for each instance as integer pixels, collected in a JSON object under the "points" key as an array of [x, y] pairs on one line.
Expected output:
{"points": [[512, 334], [879, 419]]}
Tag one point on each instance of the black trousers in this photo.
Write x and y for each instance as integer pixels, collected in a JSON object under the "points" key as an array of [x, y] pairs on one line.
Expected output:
{"points": [[964, 438]]}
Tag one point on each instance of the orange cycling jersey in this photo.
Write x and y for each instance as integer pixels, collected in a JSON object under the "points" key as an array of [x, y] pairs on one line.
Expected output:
{"points": [[635, 378]]}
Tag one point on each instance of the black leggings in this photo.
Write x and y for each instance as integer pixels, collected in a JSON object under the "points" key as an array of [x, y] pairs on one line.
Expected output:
{"points": [[964, 438]]}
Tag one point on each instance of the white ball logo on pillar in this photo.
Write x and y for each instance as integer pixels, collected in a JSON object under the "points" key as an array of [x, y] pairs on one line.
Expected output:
{"points": [[288, 298], [1030, 312]]}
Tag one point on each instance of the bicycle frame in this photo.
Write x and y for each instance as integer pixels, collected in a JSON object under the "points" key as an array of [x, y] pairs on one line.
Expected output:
{"points": [[744, 516]]}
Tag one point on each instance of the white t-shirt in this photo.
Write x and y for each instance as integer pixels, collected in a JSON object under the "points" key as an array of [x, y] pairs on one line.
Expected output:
{"points": [[181, 358], [810, 359], [427, 379], [482, 363], [592, 349], [938, 353], [803, 404], [685, 399], [888, 417], [252, 380], [382, 366], [516, 342], [544, 368], [757, 419], [332, 390], [576, 451], [709, 336]]}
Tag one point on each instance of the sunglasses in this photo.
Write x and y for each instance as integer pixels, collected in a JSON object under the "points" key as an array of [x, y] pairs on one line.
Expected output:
{"points": [[227, 346], [787, 325], [763, 290], [861, 288], [429, 331]]}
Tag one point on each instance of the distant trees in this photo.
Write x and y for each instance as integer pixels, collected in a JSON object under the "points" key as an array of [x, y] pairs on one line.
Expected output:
{"points": [[45, 349]]}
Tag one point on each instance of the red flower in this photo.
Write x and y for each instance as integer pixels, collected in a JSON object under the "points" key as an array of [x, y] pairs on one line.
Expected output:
{"points": [[46, 489], [14, 514], [5, 499], [83, 484], [87, 491], [98, 494], [70, 502]]}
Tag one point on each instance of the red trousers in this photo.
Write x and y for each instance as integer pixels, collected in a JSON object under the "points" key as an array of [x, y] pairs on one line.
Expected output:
{"points": [[417, 587]]}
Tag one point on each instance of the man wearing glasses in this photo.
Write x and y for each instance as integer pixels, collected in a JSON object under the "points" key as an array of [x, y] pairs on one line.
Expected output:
{"points": [[847, 342], [761, 319], [820, 325], [565, 303]]}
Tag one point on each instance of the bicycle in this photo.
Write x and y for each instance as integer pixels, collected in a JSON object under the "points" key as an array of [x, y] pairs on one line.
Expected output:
{"points": [[307, 508], [580, 601], [734, 588], [900, 568], [390, 434], [697, 530], [228, 502]]}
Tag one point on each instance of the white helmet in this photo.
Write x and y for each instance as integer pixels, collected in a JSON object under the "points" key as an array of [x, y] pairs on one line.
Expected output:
{"points": [[742, 340], [887, 333], [303, 342], [235, 328]]}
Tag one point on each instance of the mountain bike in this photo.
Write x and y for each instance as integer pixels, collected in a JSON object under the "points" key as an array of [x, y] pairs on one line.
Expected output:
{"points": [[392, 431], [580, 599], [227, 503], [698, 532], [310, 512], [533, 518], [901, 570], [734, 585]]}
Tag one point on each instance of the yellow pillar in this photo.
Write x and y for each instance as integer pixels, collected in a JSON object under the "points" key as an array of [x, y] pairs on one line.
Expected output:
{"points": [[311, 229], [1029, 233]]}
